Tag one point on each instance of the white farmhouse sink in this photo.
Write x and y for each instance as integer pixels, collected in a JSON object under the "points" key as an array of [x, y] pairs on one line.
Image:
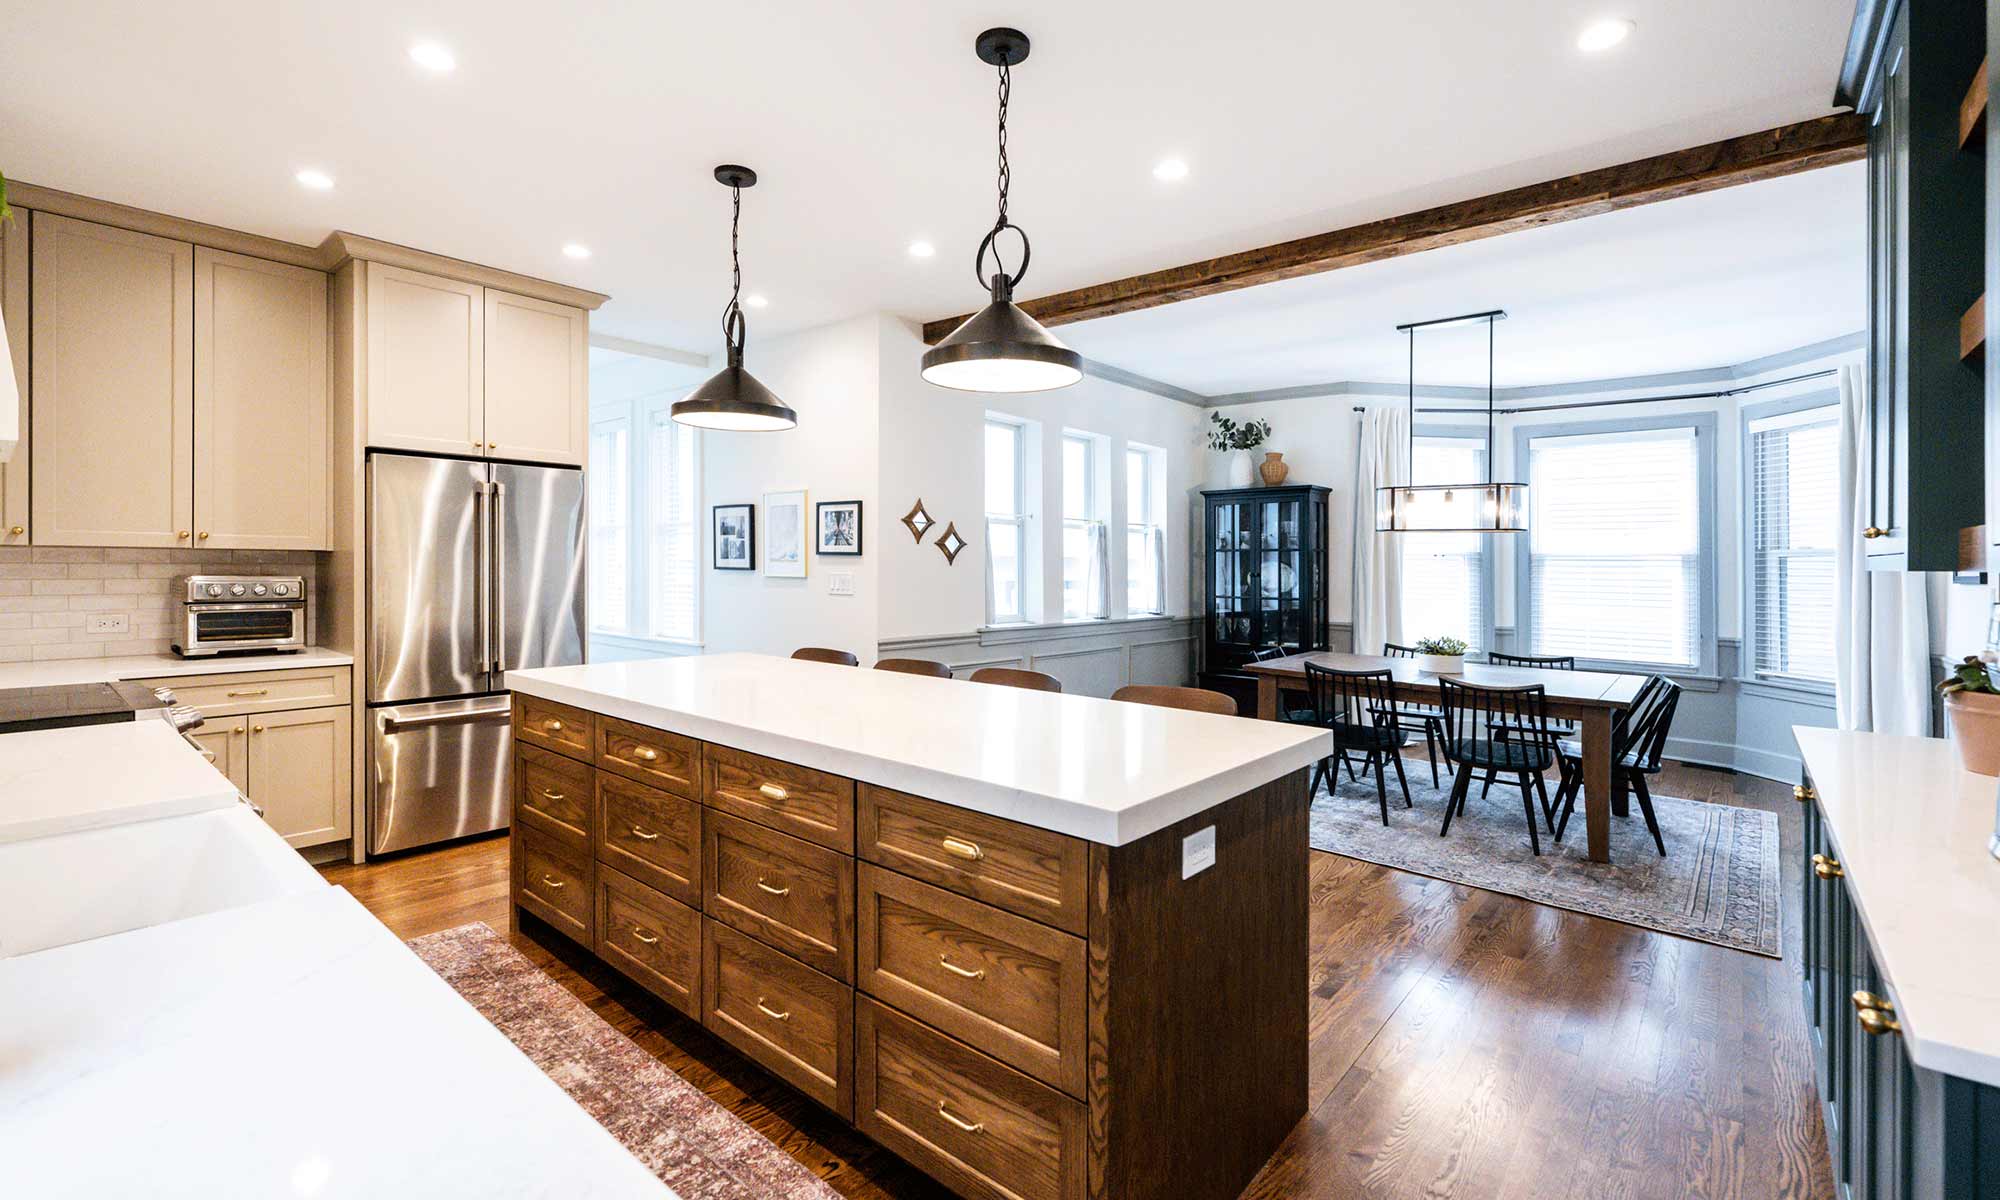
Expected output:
{"points": [[72, 887]]}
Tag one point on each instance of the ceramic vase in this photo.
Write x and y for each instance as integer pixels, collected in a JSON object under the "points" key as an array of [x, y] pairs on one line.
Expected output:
{"points": [[1274, 468], [1441, 664], [1242, 470]]}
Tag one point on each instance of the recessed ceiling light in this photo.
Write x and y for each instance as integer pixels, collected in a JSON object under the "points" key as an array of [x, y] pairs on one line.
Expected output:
{"points": [[576, 250], [1170, 170], [317, 180], [1602, 35], [433, 56], [922, 249], [755, 300]]}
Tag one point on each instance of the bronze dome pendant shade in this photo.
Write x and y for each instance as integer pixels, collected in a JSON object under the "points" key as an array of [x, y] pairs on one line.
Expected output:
{"points": [[1000, 348], [733, 399]]}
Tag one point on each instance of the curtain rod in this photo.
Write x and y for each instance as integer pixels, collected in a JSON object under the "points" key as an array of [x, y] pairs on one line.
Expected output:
{"points": [[1747, 388]]}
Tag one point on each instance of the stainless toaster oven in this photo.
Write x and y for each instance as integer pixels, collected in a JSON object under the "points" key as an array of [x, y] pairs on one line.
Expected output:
{"points": [[223, 613]]}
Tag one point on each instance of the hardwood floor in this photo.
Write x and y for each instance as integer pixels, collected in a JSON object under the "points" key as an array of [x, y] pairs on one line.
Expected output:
{"points": [[1463, 1043]]}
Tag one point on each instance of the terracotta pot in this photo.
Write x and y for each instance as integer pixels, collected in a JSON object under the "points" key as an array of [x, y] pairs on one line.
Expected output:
{"points": [[1273, 468], [1975, 729]]}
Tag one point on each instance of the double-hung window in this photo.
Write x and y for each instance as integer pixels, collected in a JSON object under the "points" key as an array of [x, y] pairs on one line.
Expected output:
{"points": [[1793, 505], [1445, 577], [644, 552], [1145, 531], [1617, 560], [1085, 590], [1006, 521]]}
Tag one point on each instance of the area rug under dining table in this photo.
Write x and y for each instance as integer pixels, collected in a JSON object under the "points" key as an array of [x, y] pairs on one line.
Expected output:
{"points": [[1718, 883]]}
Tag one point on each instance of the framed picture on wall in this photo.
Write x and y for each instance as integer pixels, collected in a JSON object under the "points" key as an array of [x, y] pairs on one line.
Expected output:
{"points": [[785, 534], [735, 537], [837, 527]]}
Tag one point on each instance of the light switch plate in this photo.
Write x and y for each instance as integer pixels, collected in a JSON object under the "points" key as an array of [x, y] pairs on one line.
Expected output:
{"points": [[840, 583], [1197, 852], [107, 623]]}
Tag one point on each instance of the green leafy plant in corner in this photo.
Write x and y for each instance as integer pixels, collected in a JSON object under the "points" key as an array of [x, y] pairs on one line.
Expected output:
{"points": [[1969, 676], [6, 214], [1225, 434], [1441, 645]]}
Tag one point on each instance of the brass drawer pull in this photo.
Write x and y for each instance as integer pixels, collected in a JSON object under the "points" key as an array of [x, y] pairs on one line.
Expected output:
{"points": [[553, 725], [775, 891], [643, 835], [1802, 793], [1826, 868], [959, 971], [967, 1126], [1867, 1000], [552, 883], [1876, 1014], [1873, 532], [250, 692], [645, 754], [549, 795], [773, 1013], [638, 931], [963, 849], [773, 791]]}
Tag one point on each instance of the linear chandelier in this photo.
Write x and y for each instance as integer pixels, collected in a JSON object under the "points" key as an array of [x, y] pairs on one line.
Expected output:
{"points": [[1488, 507]]}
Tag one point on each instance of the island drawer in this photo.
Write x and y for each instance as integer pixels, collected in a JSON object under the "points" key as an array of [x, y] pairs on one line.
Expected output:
{"points": [[801, 801], [552, 793], [789, 894], [652, 938], [1006, 985], [986, 1131], [259, 691], [553, 882], [558, 727], [668, 761], [795, 1021], [1028, 871], [650, 835]]}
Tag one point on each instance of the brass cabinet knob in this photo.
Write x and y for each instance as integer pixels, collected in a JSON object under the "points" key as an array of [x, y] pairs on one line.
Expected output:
{"points": [[182, 535], [256, 729], [1826, 868], [1802, 793], [18, 530], [203, 535], [493, 445], [1873, 532]]}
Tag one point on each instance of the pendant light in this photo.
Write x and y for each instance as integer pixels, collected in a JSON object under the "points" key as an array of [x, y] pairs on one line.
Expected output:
{"points": [[732, 398], [1489, 507], [1000, 348]]}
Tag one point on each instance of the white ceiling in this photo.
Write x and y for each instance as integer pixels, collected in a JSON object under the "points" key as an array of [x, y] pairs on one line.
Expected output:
{"points": [[871, 124], [1702, 281]]}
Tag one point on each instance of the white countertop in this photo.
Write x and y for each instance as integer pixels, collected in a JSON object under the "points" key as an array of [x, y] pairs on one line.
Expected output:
{"points": [[1095, 769], [56, 781], [59, 672], [1910, 827], [175, 1062]]}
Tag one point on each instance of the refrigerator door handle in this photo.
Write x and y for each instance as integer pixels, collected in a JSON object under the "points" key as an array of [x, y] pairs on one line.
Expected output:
{"points": [[477, 716], [497, 614], [482, 577]]}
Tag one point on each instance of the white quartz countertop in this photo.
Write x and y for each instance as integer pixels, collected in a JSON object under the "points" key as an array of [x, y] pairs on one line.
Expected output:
{"points": [[1096, 769], [56, 781], [60, 672], [1910, 827], [175, 1062]]}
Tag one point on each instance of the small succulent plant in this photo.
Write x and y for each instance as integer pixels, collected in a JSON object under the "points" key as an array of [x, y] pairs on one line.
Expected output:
{"points": [[1441, 645], [1968, 676]]}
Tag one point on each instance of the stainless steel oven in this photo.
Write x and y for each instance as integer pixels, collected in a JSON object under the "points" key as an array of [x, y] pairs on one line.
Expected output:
{"points": [[223, 613]]}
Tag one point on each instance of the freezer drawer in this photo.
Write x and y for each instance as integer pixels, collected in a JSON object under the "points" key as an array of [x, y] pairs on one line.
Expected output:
{"points": [[439, 771]]}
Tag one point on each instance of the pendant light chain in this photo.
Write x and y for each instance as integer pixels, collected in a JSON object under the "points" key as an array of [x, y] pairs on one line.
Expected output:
{"points": [[1002, 222], [1006, 175], [734, 326]]}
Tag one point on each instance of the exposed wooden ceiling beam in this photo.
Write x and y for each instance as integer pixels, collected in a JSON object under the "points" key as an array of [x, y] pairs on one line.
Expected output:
{"points": [[1786, 150]]}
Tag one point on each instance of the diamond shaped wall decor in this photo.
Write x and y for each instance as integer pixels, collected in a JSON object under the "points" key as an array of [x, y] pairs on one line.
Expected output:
{"points": [[949, 543], [917, 521]]}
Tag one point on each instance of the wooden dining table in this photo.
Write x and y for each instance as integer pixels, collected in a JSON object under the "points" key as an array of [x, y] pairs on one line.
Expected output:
{"points": [[1592, 699]]}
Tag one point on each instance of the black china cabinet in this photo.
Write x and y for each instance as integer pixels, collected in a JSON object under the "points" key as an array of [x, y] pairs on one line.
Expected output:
{"points": [[1264, 556]]}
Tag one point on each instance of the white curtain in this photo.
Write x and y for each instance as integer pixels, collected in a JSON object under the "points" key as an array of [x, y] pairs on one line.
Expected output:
{"points": [[1882, 620], [1097, 581], [1383, 461], [1158, 538]]}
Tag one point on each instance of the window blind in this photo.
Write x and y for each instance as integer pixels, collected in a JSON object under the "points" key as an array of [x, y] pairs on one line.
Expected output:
{"points": [[610, 505], [1084, 545], [1615, 546], [1444, 574], [1794, 499], [675, 539]]}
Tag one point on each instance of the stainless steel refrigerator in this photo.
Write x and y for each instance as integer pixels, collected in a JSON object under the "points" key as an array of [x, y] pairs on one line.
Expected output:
{"points": [[474, 569]]}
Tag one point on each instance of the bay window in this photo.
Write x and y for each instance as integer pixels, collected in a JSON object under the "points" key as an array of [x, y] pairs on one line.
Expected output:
{"points": [[1793, 502]]}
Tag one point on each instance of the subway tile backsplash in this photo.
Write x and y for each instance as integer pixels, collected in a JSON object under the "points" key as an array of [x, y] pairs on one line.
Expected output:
{"points": [[48, 594]]}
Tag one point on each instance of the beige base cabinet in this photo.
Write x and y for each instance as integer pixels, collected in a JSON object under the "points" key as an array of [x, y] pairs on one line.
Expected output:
{"points": [[14, 524], [457, 368], [301, 772], [224, 743]]}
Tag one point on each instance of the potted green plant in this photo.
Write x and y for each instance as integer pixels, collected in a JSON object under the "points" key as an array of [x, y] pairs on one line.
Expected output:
{"points": [[1236, 440], [1972, 705], [1441, 655]]}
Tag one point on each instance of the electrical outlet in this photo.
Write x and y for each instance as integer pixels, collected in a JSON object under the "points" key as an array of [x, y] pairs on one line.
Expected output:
{"points": [[840, 583], [107, 623], [1197, 852]]}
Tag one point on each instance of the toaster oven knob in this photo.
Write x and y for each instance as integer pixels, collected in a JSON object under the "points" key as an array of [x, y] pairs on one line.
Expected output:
{"points": [[236, 589], [281, 589], [215, 589], [257, 589]]}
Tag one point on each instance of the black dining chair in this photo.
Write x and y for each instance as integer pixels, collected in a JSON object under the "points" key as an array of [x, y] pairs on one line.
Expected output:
{"points": [[1360, 708], [1289, 709], [1638, 739], [1544, 662], [1495, 729], [1426, 719]]}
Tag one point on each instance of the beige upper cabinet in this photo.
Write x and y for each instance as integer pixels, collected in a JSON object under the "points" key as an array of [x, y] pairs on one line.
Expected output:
{"points": [[426, 374], [14, 524], [537, 363], [260, 395], [111, 350]]}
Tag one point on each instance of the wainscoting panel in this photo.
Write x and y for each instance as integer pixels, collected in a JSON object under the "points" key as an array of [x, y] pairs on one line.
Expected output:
{"points": [[1096, 672], [1091, 658]]}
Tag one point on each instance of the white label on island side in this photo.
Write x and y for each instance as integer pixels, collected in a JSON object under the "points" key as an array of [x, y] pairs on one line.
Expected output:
{"points": [[1197, 852]]}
